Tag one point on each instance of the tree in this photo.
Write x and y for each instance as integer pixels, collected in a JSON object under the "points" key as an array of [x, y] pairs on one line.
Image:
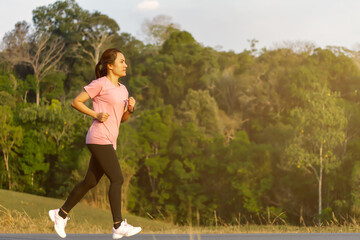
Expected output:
{"points": [[182, 185], [158, 29], [249, 167], [154, 132], [8, 90], [10, 137], [319, 131], [62, 18], [182, 64], [32, 164], [53, 86], [267, 83], [67, 20], [58, 129], [339, 70], [127, 153], [39, 50], [297, 46], [97, 30], [201, 109]]}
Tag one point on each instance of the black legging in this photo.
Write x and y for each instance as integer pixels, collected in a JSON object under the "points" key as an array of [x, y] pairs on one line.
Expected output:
{"points": [[103, 160]]}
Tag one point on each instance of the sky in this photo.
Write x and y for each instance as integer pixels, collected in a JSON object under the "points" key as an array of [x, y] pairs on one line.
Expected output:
{"points": [[226, 25]]}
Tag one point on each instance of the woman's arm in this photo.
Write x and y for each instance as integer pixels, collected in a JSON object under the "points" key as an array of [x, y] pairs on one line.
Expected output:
{"points": [[79, 105], [129, 109], [125, 116]]}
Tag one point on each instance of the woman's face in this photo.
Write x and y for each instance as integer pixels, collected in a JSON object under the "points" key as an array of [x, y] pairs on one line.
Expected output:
{"points": [[119, 66]]}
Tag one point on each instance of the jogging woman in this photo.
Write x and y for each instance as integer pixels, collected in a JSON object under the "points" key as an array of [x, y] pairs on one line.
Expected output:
{"points": [[111, 107]]}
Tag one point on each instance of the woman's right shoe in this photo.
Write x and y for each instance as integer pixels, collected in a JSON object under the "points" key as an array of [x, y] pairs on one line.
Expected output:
{"points": [[126, 230], [59, 222]]}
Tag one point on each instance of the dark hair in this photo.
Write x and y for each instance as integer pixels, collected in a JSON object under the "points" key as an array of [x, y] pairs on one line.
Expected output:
{"points": [[108, 57]]}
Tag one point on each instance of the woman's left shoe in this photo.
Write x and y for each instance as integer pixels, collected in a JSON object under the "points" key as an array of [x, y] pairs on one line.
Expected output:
{"points": [[126, 230], [59, 222]]}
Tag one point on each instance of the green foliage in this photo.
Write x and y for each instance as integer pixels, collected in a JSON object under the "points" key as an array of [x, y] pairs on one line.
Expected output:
{"points": [[250, 168], [53, 86], [177, 38], [10, 89], [32, 163], [60, 18], [58, 129], [320, 125], [6, 84], [201, 109], [233, 134], [183, 64], [11, 137]]}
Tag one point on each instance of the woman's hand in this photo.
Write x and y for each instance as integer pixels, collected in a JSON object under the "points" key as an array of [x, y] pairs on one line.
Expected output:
{"points": [[128, 109], [132, 103], [102, 117]]}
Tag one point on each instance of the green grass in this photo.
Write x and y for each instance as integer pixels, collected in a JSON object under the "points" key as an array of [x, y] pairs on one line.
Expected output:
{"points": [[31, 211], [26, 213]]}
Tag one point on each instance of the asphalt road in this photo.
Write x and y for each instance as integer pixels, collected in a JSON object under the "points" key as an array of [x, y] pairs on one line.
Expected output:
{"points": [[285, 236]]}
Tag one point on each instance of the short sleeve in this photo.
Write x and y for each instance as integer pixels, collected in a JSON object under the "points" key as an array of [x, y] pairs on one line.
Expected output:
{"points": [[94, 88]]}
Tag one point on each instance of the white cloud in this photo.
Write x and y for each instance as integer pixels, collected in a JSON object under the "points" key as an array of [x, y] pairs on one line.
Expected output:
{"points": [[148, 5]]}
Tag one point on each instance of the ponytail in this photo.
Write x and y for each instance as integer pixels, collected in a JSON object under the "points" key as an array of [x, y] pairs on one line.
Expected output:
{"points": [[98, 70], [108, 57]]}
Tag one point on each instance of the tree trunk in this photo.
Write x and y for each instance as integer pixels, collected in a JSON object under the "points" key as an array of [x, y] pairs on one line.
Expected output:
{"points": [[190, 213], [25, 96], [37, 81], [320, 182], [6, 159], [97, 54], [37, 94]]}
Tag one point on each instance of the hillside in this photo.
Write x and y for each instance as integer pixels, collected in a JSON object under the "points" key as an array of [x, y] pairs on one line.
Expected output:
{"points": [[30, 211]]}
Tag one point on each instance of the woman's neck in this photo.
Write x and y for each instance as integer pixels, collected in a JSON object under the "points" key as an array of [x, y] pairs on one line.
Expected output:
{"points": [[114, 79]]}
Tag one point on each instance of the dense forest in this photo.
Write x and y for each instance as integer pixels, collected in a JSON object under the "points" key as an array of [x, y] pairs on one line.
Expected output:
{"points": [[265, 135]]}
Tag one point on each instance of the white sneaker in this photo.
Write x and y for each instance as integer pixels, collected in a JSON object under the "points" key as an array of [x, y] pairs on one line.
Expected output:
{"points": [[59, 222], [126, 230]]}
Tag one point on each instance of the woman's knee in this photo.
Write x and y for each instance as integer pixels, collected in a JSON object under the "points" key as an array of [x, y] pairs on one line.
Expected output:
{"points": [[118, 180]]}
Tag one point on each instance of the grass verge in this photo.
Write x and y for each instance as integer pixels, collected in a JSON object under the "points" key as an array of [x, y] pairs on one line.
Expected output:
{"points": [[26, 213]]}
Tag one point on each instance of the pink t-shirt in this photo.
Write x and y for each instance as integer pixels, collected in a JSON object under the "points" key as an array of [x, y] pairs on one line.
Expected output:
{"points": [[112, 100]]}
